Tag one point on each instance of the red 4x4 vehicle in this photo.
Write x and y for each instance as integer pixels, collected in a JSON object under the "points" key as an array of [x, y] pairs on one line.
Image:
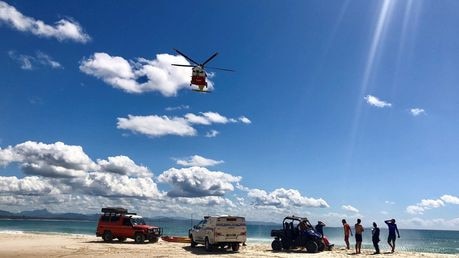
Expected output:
{"points": [[118, 223]]}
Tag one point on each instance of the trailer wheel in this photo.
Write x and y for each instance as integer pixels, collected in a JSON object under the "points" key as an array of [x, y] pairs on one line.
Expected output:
{"points": [[276, 245]]}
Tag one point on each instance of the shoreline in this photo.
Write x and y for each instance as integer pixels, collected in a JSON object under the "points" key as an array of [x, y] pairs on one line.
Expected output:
{"points": [[66, 245]]}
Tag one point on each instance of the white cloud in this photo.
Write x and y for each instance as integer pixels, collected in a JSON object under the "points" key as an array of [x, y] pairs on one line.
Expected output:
{"points": [[374, 101], [196, 119], [49, 160], [415, 209], [198, 182], [159, 74], [66, 169], [156, 126], [282, 198], [198, 161], [417, 111], [206, 201], [245, 120], [31, 185], [107, 184], [62, 30], [349, 208], [450, 199], [208, 118], [123, 165], [212, 133], [424, 205], [30, 62], [177, 108]]}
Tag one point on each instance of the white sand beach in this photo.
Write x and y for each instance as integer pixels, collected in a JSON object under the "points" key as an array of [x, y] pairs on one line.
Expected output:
{"points": [[47, 245]]}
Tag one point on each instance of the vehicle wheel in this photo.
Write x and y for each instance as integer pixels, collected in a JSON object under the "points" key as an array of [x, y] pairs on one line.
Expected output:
{"points": [[193, 243], [107, 236], [320, 246], [207, 245], [139, 238], [235, 247], [285, 244], [311, 247], [153, 240], [276, 245], [121, 239]]}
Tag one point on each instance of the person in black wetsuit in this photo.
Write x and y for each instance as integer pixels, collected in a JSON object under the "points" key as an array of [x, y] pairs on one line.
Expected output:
{"points": [[392, 229], [320, 228], [375, 237]]}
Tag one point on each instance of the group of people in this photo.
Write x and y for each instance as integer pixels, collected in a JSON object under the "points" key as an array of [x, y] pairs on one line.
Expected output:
{"points": [[358, 229]]}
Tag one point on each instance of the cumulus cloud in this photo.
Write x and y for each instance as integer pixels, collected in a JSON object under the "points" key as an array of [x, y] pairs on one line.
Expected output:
{"points": [[282, 198], [206, 201], [212, 134], [30, 62], [156, 126], [106, 184], [450, 199], [417, 111], [60, 168], [374, 101], [424, 205], [31, 185], [349, 208], [63, 29], [48, 160], [198, 161], [140, 75], [123, 165], [198, 182]]}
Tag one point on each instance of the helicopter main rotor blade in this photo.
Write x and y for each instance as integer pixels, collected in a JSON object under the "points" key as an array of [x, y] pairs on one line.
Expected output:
{"points": [[221, 69], [186, 57], [210, 58], [183, 65]]}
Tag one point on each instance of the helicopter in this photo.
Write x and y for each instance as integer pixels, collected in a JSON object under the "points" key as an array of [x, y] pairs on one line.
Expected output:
{"points": [[199, 75]]}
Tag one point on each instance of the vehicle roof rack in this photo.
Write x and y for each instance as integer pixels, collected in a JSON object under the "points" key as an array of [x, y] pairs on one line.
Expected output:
{"points": [[118, 210]]}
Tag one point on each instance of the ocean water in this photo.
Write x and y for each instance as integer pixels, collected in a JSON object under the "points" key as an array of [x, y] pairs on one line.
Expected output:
{"points": [[435, 241]]}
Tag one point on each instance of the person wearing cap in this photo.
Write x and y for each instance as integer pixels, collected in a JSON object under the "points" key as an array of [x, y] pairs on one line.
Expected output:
{"points": [[320, 227], [392, 229]]}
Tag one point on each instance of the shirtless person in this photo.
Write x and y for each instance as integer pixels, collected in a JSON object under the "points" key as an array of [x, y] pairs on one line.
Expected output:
{"points": [[347, 231], [358, 236]]}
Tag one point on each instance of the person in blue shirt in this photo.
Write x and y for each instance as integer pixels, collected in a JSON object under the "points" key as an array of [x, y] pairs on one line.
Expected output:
{"points": [[392, 229]]}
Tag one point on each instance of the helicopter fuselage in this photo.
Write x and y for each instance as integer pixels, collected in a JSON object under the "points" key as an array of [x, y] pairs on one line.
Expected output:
{"points": [[198, 77]]}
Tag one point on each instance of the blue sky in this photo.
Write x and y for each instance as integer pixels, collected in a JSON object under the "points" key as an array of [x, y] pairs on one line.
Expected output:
{"points": [[337, 109]]}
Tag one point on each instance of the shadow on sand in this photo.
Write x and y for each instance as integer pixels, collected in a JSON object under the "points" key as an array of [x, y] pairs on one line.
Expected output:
{"points": [[114, 242], [200, 250]]}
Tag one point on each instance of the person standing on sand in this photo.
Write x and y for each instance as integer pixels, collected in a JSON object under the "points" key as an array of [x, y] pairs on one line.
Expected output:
{"points": [[375, 237], [347, 231], [320, 228], [392, 229], [358, 236]]}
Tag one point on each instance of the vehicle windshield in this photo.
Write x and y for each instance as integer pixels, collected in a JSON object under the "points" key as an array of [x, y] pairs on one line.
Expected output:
{"points": [[137, 221]]}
